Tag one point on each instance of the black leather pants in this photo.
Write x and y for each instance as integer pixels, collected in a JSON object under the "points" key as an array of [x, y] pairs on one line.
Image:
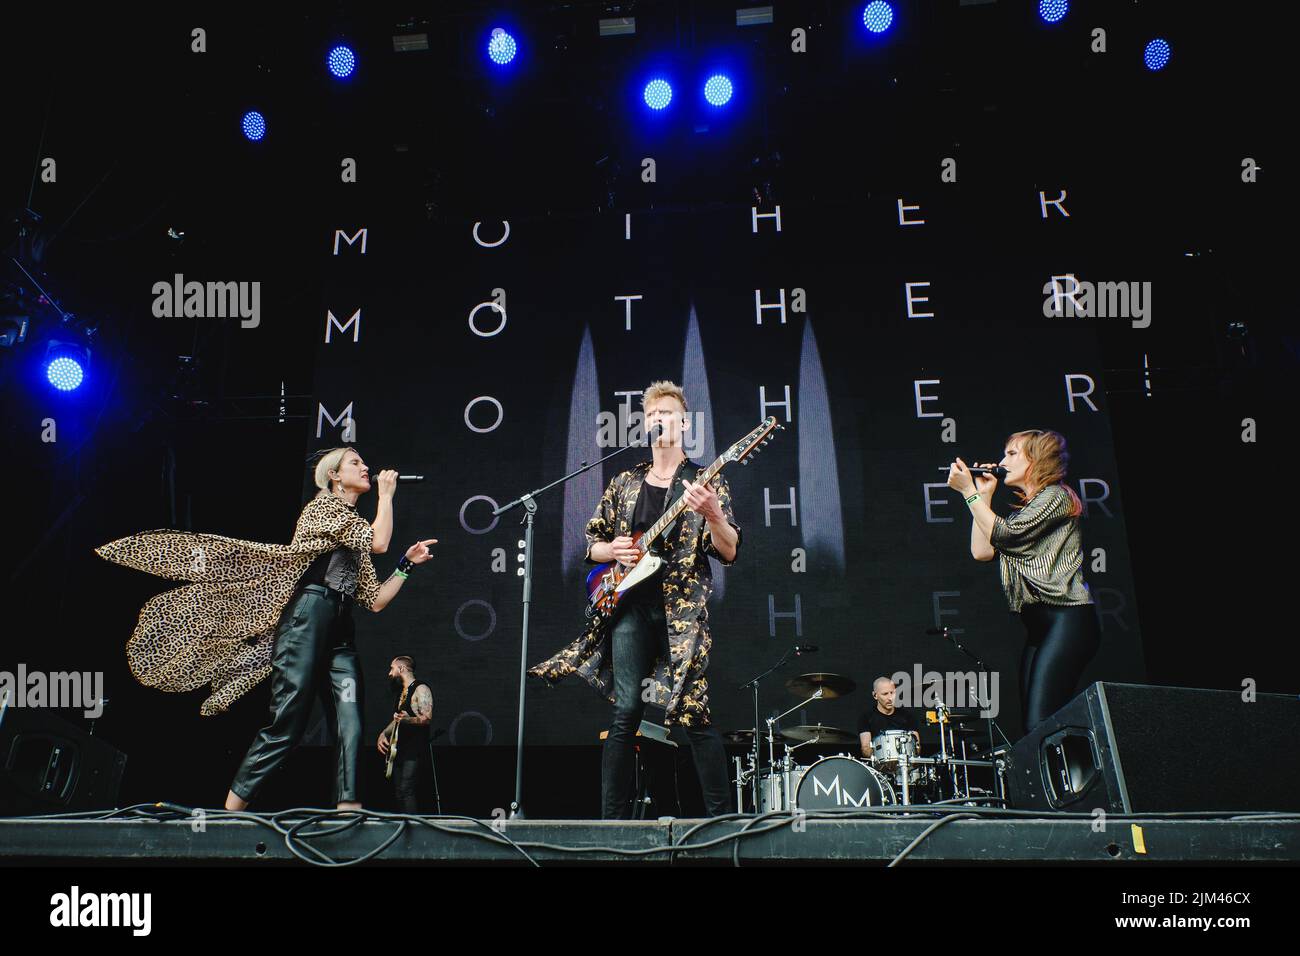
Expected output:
{"points": [[314, 657]]}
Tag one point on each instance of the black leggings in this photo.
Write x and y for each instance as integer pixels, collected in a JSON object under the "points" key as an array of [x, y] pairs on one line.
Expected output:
{"points": [[1060, 641]]}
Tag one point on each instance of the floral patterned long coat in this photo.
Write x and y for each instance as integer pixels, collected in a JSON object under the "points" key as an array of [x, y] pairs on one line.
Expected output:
{"points": [[679, 683]]}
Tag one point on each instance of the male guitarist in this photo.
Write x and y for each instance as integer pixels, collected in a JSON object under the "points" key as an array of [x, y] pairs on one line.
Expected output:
{"points": [[410, 725], [655, 648]]}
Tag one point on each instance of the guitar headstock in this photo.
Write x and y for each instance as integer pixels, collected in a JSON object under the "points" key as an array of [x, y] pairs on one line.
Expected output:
{"points": [[749, 446]]}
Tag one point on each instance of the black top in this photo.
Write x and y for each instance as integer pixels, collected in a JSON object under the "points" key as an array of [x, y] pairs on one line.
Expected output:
{"points": [[413, 739], [651, 503], [874, 722], [335, 569]]}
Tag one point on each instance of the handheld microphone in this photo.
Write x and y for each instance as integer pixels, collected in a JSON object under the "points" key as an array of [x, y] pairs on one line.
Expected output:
{"points": [[404, 479], [997, 471]]}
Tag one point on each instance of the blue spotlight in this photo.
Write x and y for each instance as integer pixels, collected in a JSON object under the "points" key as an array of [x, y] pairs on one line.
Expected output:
{"points": [[342, 62], [877, 16], [1156, 54], [65, 374], [254, 125], [502, 47], [1053, 10], [65, 365], [717, 90], [658, 94]]}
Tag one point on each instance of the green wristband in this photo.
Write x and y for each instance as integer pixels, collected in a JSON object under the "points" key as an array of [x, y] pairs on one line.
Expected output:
{"points": [[401, 574], [972, 497]]}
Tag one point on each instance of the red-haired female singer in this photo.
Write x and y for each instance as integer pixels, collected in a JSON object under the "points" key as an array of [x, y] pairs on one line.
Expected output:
{"points": [[1040, 557]]}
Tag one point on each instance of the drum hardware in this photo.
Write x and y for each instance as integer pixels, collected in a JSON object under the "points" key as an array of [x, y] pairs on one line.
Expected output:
{"points": [[818, 694], [819, 687], [985, 713]]}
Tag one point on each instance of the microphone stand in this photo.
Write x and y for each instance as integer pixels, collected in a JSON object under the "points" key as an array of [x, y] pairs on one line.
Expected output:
{"points": [[981, 668], [758, 747], [530, 511]]}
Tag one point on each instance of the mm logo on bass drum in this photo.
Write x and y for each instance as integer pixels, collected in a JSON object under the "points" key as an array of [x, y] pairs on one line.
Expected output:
{"points": [[842, 797]]}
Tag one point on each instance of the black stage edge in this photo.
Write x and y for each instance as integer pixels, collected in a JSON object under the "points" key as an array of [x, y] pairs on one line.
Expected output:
{"points": [[954, 836]]}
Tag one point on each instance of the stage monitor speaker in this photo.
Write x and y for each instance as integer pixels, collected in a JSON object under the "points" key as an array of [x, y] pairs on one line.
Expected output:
{"points": [[48, 765], [1134, 748]]}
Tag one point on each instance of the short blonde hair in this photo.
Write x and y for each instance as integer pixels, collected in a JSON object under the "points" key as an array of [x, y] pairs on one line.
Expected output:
{"points": [[664, 389], [331, 459]]}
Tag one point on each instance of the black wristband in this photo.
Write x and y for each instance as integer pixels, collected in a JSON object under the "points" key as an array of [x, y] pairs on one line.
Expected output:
{"points": [[405, 564]]}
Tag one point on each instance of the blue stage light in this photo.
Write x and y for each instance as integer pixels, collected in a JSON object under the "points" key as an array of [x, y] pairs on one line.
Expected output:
{"points": [[1053, 10], [65, 374], [341, 61], [502, 47], [717, 90], [658, 94], [1156, 54], [66, 364], [254, 125], [877, 16]]}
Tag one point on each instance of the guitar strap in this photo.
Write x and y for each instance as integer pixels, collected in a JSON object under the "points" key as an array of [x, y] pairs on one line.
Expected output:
{"points": [[687, 473]]}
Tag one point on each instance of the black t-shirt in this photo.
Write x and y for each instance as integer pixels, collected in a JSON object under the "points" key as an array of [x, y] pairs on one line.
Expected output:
{"points": [[651, 503], [874, 722]]}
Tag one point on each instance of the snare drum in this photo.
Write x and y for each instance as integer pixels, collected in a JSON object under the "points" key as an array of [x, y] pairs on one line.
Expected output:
{"points": [[842, 782], [889, 747]]}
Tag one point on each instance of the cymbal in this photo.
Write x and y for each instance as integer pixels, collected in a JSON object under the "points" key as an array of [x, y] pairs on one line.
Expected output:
{"points": [[820, 733], [745, 737], [831, 685]]}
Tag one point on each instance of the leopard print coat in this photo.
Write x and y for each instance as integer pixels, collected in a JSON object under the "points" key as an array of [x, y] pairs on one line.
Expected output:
{"points": [[220, 629], [679, 683]]}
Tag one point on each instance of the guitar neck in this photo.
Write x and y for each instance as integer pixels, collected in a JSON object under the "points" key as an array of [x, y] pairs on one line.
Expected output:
{"points": [[677, 507]]}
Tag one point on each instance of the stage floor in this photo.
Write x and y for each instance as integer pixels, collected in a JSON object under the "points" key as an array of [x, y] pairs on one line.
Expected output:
{"points": [[169, 835]]}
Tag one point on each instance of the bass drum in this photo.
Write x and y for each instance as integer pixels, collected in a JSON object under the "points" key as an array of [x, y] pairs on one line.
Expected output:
{"points": [[842, 782]]}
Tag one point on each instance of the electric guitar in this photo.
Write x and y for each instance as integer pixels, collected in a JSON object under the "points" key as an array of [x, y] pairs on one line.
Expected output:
{"points": [[392, 747], [607, 583]]}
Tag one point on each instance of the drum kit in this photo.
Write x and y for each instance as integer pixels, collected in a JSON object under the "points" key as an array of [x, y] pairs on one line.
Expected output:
{"points": [[894, 775]]}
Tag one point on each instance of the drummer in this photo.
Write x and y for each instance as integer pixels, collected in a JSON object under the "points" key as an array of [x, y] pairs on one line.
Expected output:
{"points": [[885, 716]]}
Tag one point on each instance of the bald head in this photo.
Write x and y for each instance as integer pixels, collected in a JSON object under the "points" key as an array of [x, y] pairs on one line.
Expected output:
{"points": [[882, 689]]}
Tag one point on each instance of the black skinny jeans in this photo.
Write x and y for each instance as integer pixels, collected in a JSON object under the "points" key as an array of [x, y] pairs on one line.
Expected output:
{"points": [[1060, 641], [314, 657], [639, 635], [408, 779]]}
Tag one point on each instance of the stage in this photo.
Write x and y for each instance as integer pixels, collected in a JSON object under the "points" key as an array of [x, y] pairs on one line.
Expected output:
{"points": [[168, 835], [838, 339]]}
